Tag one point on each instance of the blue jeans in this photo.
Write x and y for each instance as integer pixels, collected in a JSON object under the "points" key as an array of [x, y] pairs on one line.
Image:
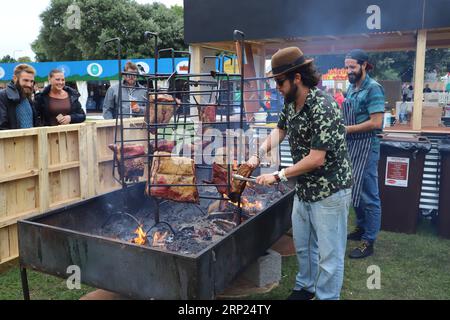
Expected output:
{"points": [[368, 214], [320, 237]]}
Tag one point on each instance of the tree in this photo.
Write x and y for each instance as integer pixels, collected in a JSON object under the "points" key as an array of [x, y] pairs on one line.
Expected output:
{"points": [[101, 20], [7, 59], [24, 59], [393, 65], [437, 59], [400, 65]]}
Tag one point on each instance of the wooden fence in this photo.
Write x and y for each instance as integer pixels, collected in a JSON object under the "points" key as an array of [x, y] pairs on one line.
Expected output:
{"points": [[46, 168]]}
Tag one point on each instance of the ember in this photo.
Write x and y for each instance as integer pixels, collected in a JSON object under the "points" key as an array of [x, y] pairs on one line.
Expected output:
{"points": [[141, 239], [196, 226], [200, 259], [159, 239]]}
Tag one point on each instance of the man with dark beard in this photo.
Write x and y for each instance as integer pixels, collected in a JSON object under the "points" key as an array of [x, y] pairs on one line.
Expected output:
{"points": [[363, 115], [313, 122], [16, 106]]}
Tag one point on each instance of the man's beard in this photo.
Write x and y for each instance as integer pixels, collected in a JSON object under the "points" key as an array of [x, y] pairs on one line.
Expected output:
{"points": [[24, 92], [355, 77], [291, 96]]}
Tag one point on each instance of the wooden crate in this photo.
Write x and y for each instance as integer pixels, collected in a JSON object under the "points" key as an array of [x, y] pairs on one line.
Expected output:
{"points": [[431, 116], [19, 185], [45, 168], [104, 136]]}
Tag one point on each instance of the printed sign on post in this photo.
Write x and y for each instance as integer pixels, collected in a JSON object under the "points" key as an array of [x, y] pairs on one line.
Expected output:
{"points": [[397, 172]]}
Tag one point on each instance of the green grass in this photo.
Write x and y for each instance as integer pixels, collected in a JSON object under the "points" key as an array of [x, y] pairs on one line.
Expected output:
{"points": [[42, 287], [412, 267]]}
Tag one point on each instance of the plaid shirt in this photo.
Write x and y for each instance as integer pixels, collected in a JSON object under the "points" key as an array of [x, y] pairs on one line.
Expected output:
{"points": [[367, 100]]}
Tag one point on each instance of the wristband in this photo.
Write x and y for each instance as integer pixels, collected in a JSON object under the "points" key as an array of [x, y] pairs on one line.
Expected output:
{"points": [[282, 175], [276, 174]]}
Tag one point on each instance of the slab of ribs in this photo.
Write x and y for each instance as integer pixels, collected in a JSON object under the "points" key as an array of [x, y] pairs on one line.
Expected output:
{"points": [[169, 171], [207, 113], [176, 149], [167, 106], [220, 177], [133, 161]]}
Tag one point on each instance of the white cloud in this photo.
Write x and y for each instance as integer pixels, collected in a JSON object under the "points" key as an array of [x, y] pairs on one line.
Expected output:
{"points": [[21, 26]]}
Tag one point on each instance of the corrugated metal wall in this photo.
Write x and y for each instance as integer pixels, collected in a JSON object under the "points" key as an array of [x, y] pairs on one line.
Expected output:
{"points": [[429, 198]]}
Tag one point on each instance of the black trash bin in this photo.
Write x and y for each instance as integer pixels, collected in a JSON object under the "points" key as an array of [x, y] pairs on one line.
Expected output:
{"points": [[444, 190], [400, 172]]}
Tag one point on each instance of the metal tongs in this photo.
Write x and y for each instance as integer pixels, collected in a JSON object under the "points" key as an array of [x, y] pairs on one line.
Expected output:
{"points": [[241, 178]]}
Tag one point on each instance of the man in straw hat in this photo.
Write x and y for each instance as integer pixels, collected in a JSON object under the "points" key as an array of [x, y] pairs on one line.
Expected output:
{"points": [[312, 121]]}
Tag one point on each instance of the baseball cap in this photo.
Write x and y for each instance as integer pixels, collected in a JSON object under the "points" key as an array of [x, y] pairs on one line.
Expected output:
{"points": [[361, 56]]}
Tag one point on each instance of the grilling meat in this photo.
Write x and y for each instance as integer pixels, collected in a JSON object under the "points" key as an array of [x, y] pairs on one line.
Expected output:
{"points": [[170, 171], [207, 113], [167, 106], [238, 186], [220, 177], [133, 168], [164, 145], [171, 147]]}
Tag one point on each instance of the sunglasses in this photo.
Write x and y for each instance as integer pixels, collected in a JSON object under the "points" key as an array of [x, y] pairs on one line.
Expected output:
{"points": [[280, 82]]}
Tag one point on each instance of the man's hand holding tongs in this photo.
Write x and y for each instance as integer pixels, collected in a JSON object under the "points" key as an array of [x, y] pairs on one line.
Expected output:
{"points": [[267, 179]]}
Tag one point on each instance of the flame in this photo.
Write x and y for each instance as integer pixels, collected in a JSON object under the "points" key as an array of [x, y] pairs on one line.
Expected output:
{"points": [[141, 238], [249, 205], [246, 204], [159, 239]]}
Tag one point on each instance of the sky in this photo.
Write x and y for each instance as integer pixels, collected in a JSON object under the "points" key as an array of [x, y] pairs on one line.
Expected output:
{"points": [[20, 27]]}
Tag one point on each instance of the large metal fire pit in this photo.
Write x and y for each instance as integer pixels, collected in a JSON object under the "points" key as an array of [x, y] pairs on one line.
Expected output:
{"points": [[52, 242]]}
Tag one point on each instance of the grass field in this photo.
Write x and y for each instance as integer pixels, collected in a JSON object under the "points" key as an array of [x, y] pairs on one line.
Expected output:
{"points": [[412, 267]]}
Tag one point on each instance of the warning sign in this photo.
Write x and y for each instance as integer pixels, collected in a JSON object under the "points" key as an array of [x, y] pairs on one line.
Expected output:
{"points": [[397, 172]]}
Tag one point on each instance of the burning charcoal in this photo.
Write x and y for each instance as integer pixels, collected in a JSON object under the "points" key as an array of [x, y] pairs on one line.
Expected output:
{"points": [[204, 234], [196, 230], [159, 239], [188, 229], [218, 231], [220, 215], [225, 225]]}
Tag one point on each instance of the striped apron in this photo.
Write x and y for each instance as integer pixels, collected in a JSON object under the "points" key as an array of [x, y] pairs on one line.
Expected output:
{"points": [[359, 146]]}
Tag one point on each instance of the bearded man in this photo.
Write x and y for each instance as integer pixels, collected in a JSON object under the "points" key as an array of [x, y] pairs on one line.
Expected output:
{"points": [[313, 122], [16, 105], [363, 115]]}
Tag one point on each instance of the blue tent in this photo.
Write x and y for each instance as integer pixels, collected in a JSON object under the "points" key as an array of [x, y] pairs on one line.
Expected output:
{"points": [[92, 70]]}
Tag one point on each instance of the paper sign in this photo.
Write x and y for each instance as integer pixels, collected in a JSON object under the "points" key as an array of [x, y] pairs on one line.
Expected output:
{"points": [[397, 172]]}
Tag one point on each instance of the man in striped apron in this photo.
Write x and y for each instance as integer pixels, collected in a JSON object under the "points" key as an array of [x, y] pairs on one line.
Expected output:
{"points": [[363, 115]]}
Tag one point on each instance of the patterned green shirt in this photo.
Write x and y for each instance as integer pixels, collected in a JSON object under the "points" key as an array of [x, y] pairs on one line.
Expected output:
{"points": [[319, 126]]}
